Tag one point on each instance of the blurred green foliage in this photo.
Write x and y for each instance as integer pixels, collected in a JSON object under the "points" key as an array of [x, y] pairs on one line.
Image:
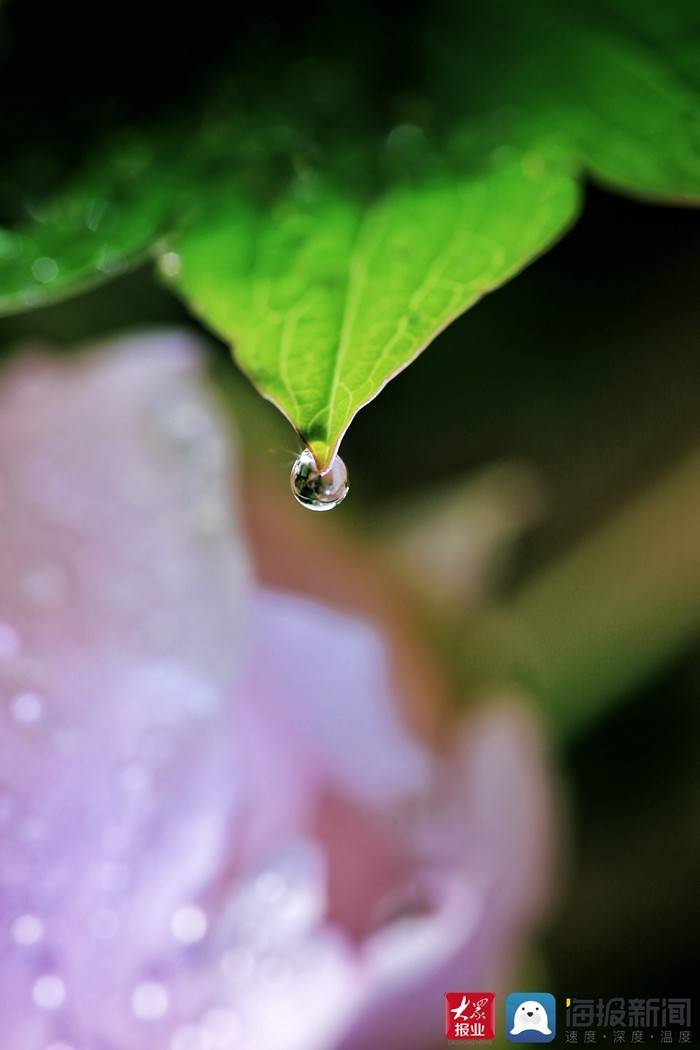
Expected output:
{"points": [[328, 222]]}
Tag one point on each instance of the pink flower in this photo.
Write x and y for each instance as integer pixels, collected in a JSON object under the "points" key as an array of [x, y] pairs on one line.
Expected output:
{"points": [[216, 830]]}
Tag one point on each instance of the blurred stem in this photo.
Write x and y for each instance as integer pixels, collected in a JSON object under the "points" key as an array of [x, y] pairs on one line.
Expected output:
{"points": [[602, 618]]}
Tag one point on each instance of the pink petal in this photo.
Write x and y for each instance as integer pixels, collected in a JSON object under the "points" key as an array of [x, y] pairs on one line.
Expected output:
{"points": [[217, 831], [487, 845]]}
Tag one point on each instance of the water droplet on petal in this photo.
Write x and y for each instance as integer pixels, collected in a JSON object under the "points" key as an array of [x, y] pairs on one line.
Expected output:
{"points": [[27, 708], [150, 1000], [319, 490], [189, 924], [9, 640], [49, 991], [27, 930]]}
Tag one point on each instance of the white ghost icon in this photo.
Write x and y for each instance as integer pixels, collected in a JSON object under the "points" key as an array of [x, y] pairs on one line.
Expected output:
{"points": [[530, 1016]]}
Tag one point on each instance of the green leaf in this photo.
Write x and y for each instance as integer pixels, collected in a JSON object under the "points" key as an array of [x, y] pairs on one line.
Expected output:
{"points": [[613, 83], [328, 248], [325, 300], [118, 208], [104, 222]]}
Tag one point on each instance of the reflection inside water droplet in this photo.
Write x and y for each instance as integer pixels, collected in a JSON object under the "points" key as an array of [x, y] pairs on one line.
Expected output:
{"points": [[315, 489]]}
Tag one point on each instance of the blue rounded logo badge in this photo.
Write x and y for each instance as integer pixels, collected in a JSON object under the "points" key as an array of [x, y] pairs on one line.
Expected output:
{"points": [[531, 1017]]}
